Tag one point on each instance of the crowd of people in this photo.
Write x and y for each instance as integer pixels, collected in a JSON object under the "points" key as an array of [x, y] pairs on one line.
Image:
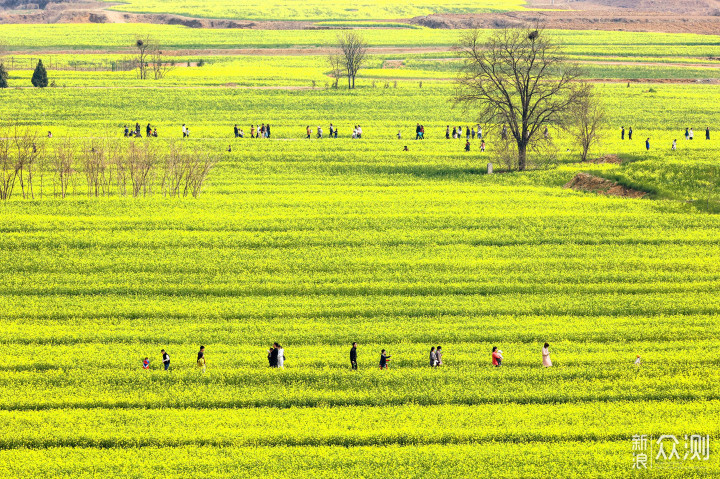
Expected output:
{"points": [[689, 135], [276, 358], [136, 133]]}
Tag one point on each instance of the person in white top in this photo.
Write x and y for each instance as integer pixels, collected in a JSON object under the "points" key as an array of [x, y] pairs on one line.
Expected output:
{"points": [[637, 361], [280, 356], [546, 356], [674, 145], [691, 134], [359, 132], [184, 131]]}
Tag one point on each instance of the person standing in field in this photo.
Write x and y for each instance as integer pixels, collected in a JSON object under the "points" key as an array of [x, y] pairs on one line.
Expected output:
{"points": [[359, 132], [154, 134], [479, 132], [201, 359], [707, 132], [353, 357], [467, 132], [146, 364], [482, 146], [417, 131], [267, 130], [127, 131], [546, 356], [184, 131], [384, 360], [280, 356], [687, 133], [331, 130], [438, 353], [496, 357], [472, 133], [165, 359], [399, 135], [674, 145], [467, 145], [647, 144], [622, 133], [148, 130], [308, 131], [447, 132], [630, 133], [272, 356], [236, 131], [503, 133], [319, 132], [433, 357], [692, 134], [637, 360], [252, 131]]}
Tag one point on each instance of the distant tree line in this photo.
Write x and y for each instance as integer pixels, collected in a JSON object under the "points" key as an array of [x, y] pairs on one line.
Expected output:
{"points": [[31, 167]]}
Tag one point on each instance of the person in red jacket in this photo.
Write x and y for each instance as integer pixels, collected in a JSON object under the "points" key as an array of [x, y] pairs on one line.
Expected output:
{"points": [[496, 357]]}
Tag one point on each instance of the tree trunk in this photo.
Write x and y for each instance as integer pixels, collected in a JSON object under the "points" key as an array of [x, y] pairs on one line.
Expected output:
{"points": [[349, 82], [522, 156]]}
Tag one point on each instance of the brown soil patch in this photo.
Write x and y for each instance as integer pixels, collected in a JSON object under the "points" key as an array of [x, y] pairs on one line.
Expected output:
{"points": [[602, 186], [691, 16], [611, 159], [393, 64]]}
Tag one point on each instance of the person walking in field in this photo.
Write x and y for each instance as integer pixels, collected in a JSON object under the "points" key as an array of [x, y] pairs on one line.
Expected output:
{"points": [[267, 130], [384, 360], [447, 132], [546, 356], [280, 356], [127, 131], [630, 133], [308, 131], [331, 130], [252, 131], [467, 132], [359, 132], [707, 132], [148, 130], [353, 357], [647, 144], [433, 357], [482, 146], [201, 364], [622, 133], [467, 145], [399, 135], [165, 359], [472, 133], [417, 131], [236, 131], [496, 357], [674, 145], [319, 132], [687, 133], [691, 134], [438, 354], [146, 364], [479, 132]]}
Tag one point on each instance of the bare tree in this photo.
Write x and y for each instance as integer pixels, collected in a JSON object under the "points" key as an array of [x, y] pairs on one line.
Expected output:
{"points": [[585, 120], [8, 169], [353, 53], [63, 166], [336, 68], [517, 78], [144, 47], [157, 61]]}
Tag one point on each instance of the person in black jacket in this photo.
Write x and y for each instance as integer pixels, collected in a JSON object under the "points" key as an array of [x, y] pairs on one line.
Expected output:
{"points": [[384, 359], [165, 359], [353, 356], [272, 356]]}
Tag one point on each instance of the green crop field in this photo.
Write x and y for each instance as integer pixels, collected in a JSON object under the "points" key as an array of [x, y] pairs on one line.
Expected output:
{"points": [[316, 243]]}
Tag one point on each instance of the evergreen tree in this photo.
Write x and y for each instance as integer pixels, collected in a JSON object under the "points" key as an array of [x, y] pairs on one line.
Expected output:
{"points": [[3, 76], [39, 78]]}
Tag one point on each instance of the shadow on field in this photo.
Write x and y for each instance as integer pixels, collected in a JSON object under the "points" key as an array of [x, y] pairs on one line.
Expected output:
{"points": [[420, 171]]}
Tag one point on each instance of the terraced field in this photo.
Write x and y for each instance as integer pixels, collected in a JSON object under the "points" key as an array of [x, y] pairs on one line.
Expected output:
{"points": [[319, 243]]}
